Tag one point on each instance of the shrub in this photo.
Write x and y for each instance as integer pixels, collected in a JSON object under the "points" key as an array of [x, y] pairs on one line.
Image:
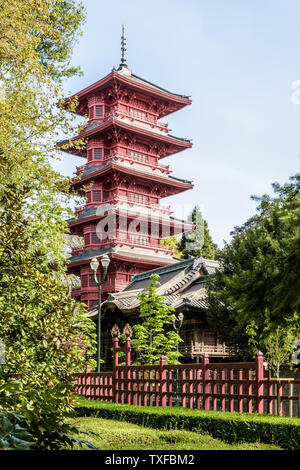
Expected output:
{"points": [[229, 427], [12, 435]]}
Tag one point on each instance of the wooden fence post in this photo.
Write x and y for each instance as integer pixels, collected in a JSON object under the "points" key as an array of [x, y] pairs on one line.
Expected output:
{"points": [[87, 388], [259, 360], [163, 381], [115, 370], [205, 373]]}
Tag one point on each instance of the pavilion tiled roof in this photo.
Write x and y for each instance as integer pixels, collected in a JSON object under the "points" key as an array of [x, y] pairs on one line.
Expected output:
{"points": [[182, 284]]}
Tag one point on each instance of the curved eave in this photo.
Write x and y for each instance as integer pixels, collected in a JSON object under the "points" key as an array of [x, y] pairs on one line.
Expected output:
{"points": [[142, 85], [176, 186]]}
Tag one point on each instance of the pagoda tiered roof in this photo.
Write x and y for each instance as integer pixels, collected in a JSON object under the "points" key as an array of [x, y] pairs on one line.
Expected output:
{"points": [[171, 184]]}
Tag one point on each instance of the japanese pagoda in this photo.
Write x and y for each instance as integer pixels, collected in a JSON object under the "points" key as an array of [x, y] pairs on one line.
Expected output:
{"points": [[123, 180]]}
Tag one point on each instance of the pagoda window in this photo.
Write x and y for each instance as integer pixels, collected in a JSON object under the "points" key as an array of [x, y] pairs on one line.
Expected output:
{"points": [[99, 110], [87, 239], [106, 152], [139, 198], [96, 196], [84, 281], [95, 238], [98, 153], [105, 195]]}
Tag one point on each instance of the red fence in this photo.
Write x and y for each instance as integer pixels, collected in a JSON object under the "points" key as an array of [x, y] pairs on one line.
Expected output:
{"points": [[210, 386]]}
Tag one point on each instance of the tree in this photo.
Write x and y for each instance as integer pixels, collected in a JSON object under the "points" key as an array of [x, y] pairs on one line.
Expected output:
{"points": [[278, 344], [151, 340], [260, 277], [197, 242], [46, 334]]}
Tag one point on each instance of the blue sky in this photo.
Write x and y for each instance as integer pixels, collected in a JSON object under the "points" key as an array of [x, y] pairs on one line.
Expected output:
{"points": [[238, 61]]}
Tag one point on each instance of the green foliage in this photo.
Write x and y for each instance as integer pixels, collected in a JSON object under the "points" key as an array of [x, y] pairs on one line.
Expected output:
{"points": [[259, 282], [172, 242], [230, 427], [39, 34], [12, 435], [197, 242], [151, 340], [39, 414]]}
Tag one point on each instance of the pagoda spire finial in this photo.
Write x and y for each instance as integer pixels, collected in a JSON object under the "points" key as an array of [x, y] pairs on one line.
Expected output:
{"points": [[123, 48]]}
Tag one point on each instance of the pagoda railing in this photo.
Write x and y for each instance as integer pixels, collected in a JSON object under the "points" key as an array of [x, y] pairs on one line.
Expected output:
{"points": [[166, 210], [130, 239], [153, 208], [154, 167], [165, 169], [161, 126], [123, 237]]}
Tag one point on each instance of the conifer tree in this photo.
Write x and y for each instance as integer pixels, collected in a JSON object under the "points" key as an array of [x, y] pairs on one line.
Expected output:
{"points": [[155, 336], [197, 242]]}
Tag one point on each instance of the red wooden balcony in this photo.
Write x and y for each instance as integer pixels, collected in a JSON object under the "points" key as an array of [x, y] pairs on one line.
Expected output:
{"points": [[124, 201], [122, 157]]}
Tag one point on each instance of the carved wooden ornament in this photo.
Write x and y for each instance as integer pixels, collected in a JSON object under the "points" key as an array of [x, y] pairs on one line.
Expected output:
{"points": [[127, 331], [115, 332]]}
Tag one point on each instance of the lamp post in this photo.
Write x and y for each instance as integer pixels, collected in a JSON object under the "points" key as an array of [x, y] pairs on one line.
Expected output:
{"points": [[177, 324], [105, 260]]}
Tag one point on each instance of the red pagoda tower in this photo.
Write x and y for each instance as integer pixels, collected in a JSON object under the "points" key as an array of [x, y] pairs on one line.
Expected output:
{"points": [[124, 179]]}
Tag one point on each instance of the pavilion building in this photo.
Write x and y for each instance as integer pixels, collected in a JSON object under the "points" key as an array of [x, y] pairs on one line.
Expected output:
{"points": [[183, 286]]}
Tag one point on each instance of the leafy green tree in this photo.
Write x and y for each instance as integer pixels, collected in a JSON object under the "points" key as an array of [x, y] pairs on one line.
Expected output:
{"points": [[172, 242], [154, 336], [197, 242], [259, 282], [46, 334]]}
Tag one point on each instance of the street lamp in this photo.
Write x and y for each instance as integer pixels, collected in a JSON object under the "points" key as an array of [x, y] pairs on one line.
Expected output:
{"points": [[94, 264], [177, 324]]}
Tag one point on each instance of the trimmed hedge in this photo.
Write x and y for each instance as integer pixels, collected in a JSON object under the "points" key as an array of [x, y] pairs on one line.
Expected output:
{"points": [[228, 427]]}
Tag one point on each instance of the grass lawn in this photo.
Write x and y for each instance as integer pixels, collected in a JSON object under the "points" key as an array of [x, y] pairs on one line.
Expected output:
{"points": [[120, 435]]}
